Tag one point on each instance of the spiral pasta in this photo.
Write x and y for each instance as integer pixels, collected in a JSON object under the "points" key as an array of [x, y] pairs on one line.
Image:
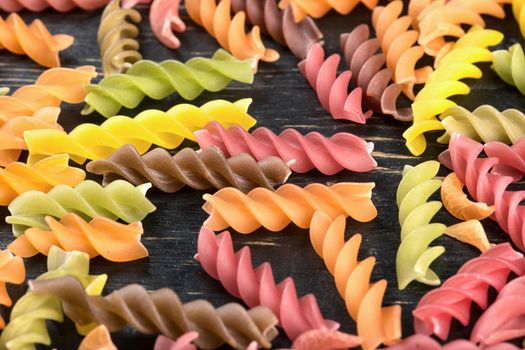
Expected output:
{"points": [[485, 124], [366, 64], [12, 271], [470, 232], [97, 339], [518, 9], [319, 8], [376, 325], [229, 32], [27, 325], [161, 311], [119, 199], [159, 80], [245, 213], [437, 308], [418, 341], [509, 65], [41, 5], [117, 38], [18, 178], [511, 159], [164, 20], [414, 256], [280, 24], [151, 127], [303, 152], [182, 343], [257, 286], [332, 89], [199, 170], [445, 82]]}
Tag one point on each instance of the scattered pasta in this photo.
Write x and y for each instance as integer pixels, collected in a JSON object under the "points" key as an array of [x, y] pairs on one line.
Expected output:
{"points": [[509, 65], [319, 8], [98, 339], [12, 271], [470, 232]]}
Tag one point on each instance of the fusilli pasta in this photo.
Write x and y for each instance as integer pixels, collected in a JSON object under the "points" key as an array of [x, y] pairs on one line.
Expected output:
{"points": [[470, 232], [98, 339], [319, 8], [509, 65], [164, 20], [12, 270], [518, 9]]}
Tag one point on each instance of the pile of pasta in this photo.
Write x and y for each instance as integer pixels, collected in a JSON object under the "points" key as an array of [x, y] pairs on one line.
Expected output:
{"points": [[408, 65]]}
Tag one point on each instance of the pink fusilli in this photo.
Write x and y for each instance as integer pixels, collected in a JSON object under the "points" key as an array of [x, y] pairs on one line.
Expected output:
{"points": [[423, 342], [182, 343], [511, 158]]}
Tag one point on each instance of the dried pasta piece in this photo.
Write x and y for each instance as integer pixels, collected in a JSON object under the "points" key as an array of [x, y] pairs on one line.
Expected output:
{"points": [[319, 8], [485, 124], [457, 203], [290, 203], [518, 9], [119, 199], [101, 236], [12, 132], [12, 271], [35, 40], [323, 339], [18, 178], [164, 20], [51, 88], [332, 89], [57, 5], [302, 152], [202, 170], [366, 64], [150, 127], [435, 311], [229, 32], [445, 82], [509, 65], [98, 339], [470, 232], [419, 341], [27, 325], [159, 80], [376, 325], [161, 311], [256, 286], [182, 343], [280, 24], [511, 159], [117, 38], [414, 255]]}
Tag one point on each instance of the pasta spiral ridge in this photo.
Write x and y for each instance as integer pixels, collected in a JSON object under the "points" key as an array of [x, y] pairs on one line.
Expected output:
{"points": [[41, 5], [101, 236], [27, 325], [332, 89], [485, 123], [256, 286], [164, 19], [445, 82], [119, 199], [245, 213], [117, 38], [150, 127], [280, 24], [159, 80], [229, 32], [97, 339], [12, 270], [453, 299], [518, 9], [310, 151], [161, 311], [509, 64], [366, 64], [51, 88], [511, 159], [419, 341], [18, 178], [414, 255], [376, 325], [319, 8], [398, 43], [208, 168], [35, 41]]}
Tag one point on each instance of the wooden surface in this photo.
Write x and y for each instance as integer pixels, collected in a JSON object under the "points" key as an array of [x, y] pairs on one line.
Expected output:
{"points": [[282, 99]]}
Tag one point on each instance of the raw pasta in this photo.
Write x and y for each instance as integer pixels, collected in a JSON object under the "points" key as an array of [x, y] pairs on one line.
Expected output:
{"points": [[419, 341], [435, 311], [119, 199], [414, 255], [164, 20], [12, 271], [518, 9], [319, 8], [159, 80], [470, 232], [511, 159], [280, 24], [332, 89], [366, 64], [150, 127], [35, 41], [182, 343], [18, 178], [376, 325], [302, 152], [485, 124], [117, 38], [230, 32], [323, 339], [98, 339], [58, 5], [445, 82], [101, 236], [290, 203], [161, 311], [256, 286], [208, 168], [509, 65], [27, 325]]}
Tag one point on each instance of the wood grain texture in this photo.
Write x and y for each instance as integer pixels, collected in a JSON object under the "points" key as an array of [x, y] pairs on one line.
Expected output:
{"points": [[282, 98]]}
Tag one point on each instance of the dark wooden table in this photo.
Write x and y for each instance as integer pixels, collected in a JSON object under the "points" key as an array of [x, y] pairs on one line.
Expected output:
{"points": [[282, 99]]}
